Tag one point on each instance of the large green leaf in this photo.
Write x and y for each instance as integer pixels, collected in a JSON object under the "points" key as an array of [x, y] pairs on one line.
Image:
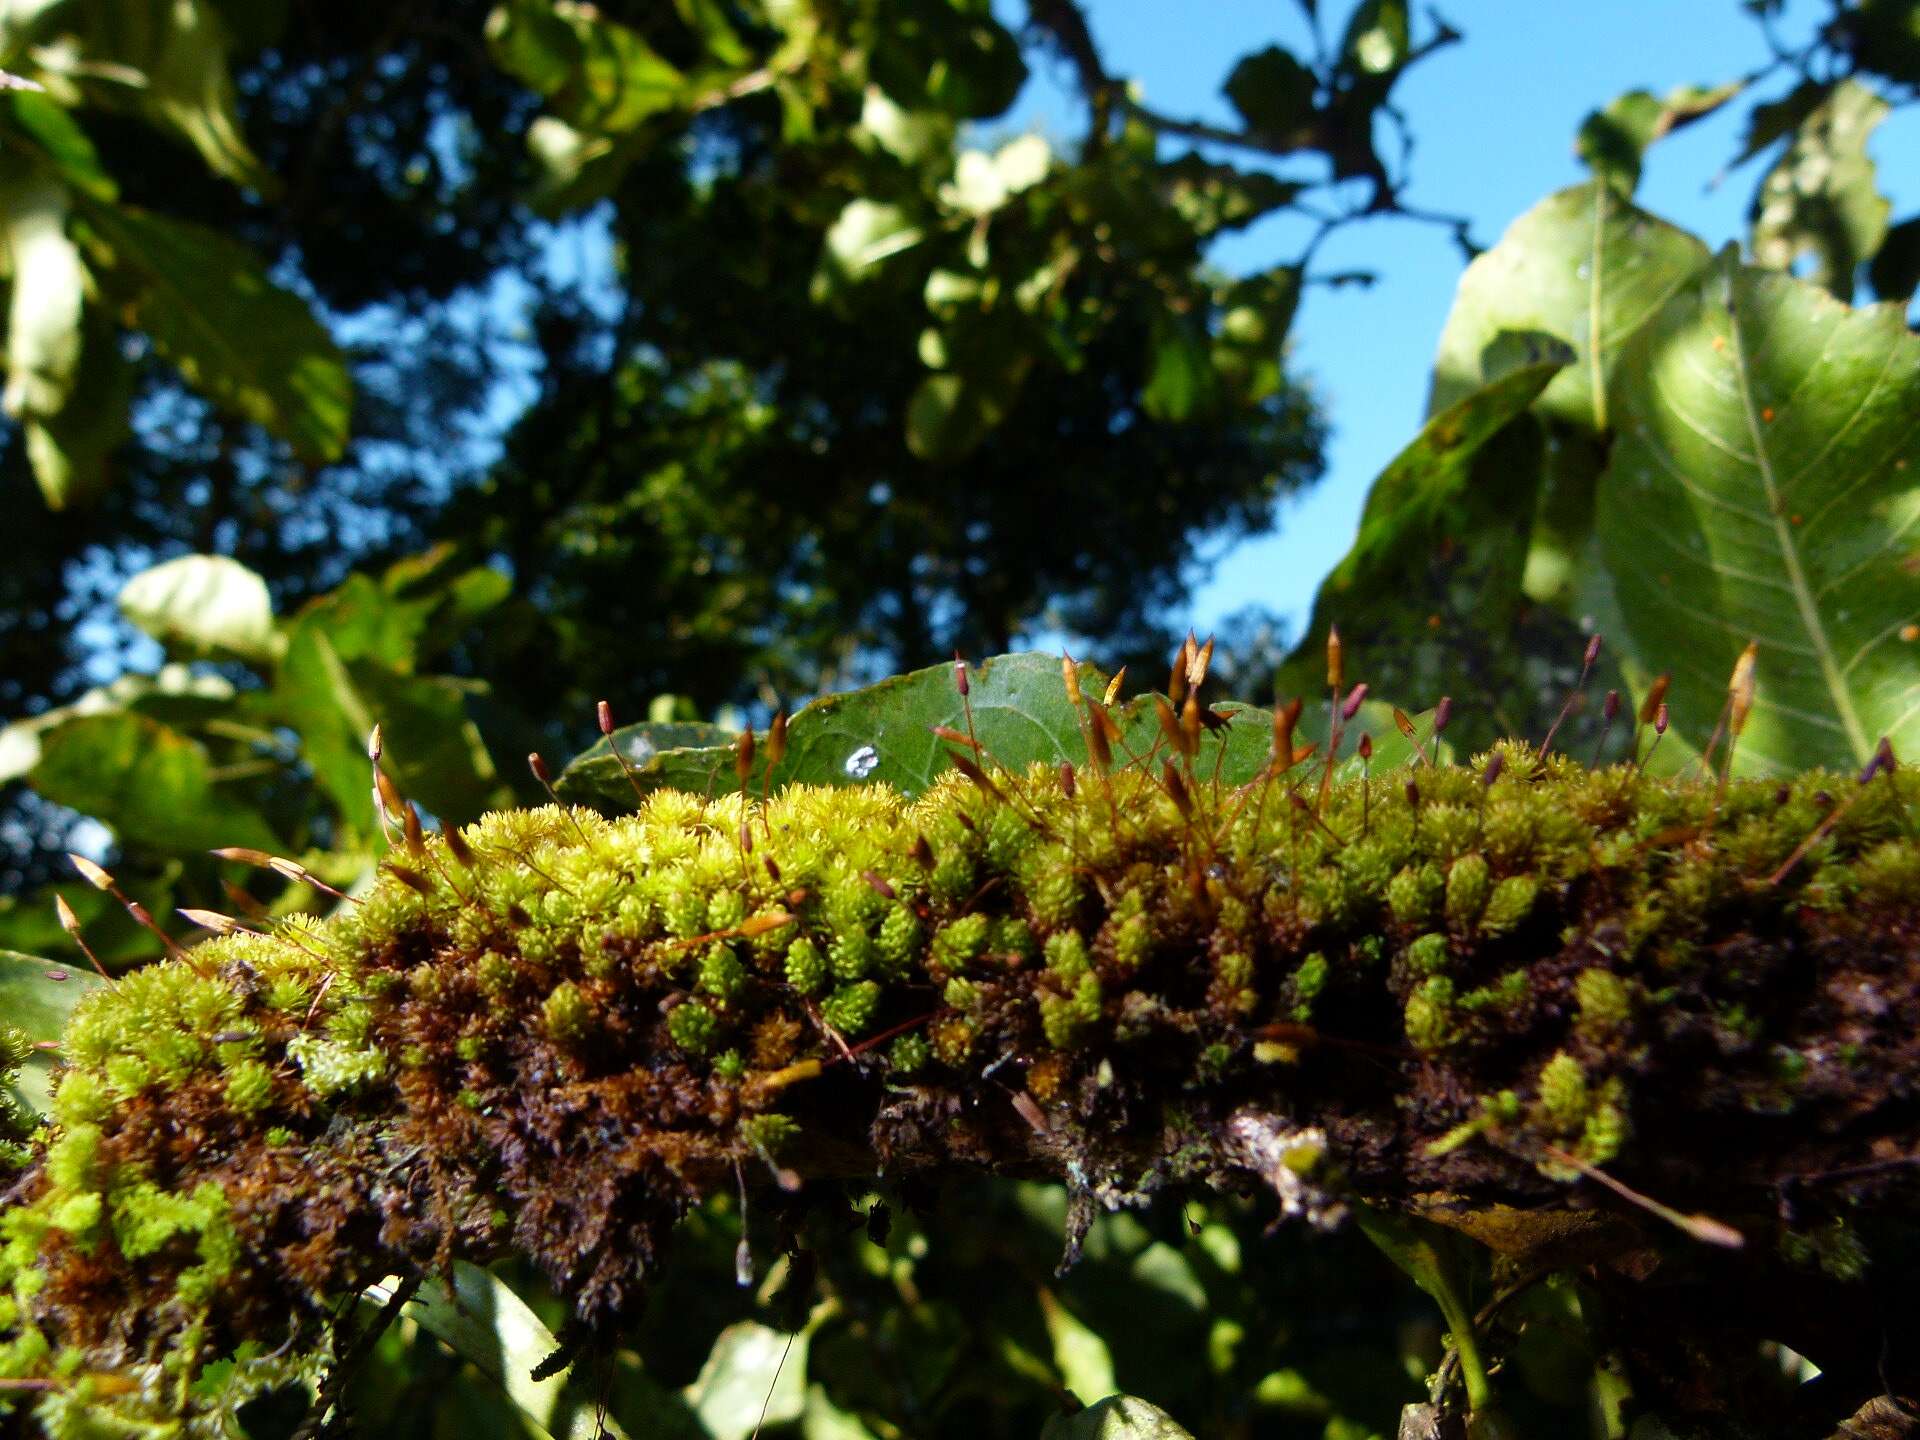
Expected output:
{"points": [[154, 786], [884, 734], [239, 339], [1583, 266], [203, 604], [1764, 487], [37, 996]]}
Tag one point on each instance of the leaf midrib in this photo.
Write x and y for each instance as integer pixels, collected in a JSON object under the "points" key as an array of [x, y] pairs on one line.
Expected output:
{"points": [[1789, 551]]}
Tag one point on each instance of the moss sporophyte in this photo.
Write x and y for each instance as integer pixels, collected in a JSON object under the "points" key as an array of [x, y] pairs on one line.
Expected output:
{"points": [[553, 1032]]}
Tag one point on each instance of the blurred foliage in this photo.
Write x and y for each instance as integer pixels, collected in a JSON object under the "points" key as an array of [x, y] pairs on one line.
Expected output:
{"points": [[869, 378]]}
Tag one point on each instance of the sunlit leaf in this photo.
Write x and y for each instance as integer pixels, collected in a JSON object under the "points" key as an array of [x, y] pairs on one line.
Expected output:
{"points": [[48, 290], [1583, 266], [754, 1376], [1763, 487], [203, 604]]}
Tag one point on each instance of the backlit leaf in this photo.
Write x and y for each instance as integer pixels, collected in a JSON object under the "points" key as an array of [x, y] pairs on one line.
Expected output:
{"points": [[1764, 487]]}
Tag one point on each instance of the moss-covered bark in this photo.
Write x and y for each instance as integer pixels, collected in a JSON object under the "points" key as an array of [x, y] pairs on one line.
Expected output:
{"points": [[1435, 993]]}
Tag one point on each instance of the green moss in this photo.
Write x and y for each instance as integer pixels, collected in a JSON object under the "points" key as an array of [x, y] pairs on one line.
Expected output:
{"points": [[1534, 926]]}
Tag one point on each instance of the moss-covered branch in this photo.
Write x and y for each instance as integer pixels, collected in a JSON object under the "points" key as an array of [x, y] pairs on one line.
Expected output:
{"points": [[1460, 992]]}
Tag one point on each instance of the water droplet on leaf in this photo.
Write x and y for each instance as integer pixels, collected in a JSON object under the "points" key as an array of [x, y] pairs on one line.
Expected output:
{"points": [[861, 762]]}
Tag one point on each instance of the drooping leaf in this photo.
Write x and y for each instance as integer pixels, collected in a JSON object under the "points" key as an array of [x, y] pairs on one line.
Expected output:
{"points": [[1272, 91], [167, 60], [1119, 1417], [48, 290], [1764, 487], [1083, 1359], [152, 785], [1583, 266], [483, 1322], [36, 996], [239, 339], [1427, 598], [71, 451], [1820, 200], [203, 604]]}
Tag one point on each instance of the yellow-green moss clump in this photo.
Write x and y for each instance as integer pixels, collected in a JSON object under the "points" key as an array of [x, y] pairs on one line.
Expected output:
{"points": [[556, 1034]]}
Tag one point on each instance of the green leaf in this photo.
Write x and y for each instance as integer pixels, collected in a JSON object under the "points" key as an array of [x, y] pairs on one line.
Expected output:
{"points": [[1080, 1355], [596, 73], [174, 693], [49, 283], [71, 451], [1764, 487], [1820, 200], [1427, 598], [345, 671], [866, 233], [64, 143], [1614, 141], [1780, 117], [1431, 1256], [1379, 37], [1180, 383], [577, 168], [1583, 266], [754, 1376], [239, 339], [37, 996], [152, 785], [1120, 1417], [1272, 91], [203, 605], [483, 1322], [883, 734]]}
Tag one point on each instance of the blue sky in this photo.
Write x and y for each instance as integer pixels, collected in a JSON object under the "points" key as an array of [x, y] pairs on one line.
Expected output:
{"points": [[1494, 118]]}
